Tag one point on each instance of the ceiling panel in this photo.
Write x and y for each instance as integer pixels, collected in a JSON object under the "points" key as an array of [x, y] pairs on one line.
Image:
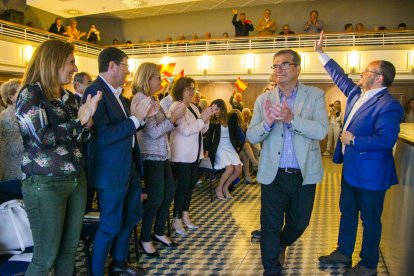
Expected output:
{"points": [[127, 9]]}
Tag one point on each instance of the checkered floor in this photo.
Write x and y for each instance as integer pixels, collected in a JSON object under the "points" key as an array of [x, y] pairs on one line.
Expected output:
{"points": [[222, 245]]}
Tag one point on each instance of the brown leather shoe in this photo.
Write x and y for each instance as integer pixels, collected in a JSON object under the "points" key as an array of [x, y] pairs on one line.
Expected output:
{"points": [[117, 268]]}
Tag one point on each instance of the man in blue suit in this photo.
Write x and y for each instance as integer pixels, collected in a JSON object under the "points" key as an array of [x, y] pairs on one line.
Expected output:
{"points": [[371, 127], [114, 164]]}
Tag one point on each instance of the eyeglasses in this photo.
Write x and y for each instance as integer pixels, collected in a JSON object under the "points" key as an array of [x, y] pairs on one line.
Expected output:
{"points": [[366, 71], [190, 89], [283, 66], [125, 64]]}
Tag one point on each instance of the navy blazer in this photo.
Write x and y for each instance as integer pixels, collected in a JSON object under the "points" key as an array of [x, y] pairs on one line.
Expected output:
{"points": [[368, 164], [110, 151]]}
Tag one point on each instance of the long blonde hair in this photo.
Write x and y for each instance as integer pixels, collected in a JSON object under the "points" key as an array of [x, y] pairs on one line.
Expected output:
{"points": [[142, 76], [48, 58]]}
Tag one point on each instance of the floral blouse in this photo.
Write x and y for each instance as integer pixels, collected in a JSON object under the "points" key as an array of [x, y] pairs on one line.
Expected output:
{"points": [[51, 133]]}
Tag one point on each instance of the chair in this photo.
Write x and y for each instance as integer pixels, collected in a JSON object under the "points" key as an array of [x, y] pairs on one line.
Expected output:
{"points": [[210, 173], [89, 227]]}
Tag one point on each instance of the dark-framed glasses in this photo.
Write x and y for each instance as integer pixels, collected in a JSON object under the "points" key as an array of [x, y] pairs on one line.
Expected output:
{"points": [[125, 64], [283, 66], [366, 71]]}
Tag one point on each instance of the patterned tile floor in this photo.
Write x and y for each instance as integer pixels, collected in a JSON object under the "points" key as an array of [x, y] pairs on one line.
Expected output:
{"points": [[222, 244]]}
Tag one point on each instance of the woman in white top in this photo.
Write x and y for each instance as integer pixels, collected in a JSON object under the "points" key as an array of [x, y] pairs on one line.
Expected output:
{"points": [[186, 149], [223, 144], [334, 126]]}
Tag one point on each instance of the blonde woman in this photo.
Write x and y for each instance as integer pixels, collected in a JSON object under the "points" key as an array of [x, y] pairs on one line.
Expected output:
{"points": [[155, 153]]}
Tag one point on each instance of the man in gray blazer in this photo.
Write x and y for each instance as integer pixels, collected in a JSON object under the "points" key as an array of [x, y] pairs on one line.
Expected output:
{"points": [[289, 120]]}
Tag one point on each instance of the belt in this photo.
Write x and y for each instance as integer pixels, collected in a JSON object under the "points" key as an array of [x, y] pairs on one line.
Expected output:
{"points": [[290, 170]]}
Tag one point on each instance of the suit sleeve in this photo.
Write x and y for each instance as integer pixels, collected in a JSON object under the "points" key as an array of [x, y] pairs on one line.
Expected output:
{"points": [[344, 83], [106, 133], [234, 21]]}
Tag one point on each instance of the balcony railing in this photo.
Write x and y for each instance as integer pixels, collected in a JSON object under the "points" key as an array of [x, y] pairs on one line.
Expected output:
{"points": [[230, 44]]}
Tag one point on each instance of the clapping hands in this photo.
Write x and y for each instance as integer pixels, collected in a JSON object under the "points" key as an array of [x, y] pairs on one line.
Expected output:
{"points": [[87, 109], [208, 112], [276, 112], [140, 108]]}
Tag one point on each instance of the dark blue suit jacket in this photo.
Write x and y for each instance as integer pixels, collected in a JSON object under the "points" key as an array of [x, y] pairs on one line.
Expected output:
{"points": [[110, 151], [368, 164]]}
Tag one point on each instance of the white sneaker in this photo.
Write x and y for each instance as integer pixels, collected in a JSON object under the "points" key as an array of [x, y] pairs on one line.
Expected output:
{"points": [[326, 153]]}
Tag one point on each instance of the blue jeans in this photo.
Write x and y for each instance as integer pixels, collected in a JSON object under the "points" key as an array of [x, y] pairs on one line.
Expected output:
{"points": [[369, 203]]}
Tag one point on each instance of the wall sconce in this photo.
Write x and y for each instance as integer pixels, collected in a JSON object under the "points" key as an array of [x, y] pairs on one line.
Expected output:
{"points": [[353, 59], [132, 66], [165, 60], [205, 64], [249, 63], [28, 52]]}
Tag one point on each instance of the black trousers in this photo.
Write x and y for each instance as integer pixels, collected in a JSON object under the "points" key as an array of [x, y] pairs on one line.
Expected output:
{"points": [[159, 185], [285, 213], [186, 180]]}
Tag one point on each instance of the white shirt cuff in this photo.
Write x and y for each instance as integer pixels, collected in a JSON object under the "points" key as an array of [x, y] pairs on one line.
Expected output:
{"points": [[136, 122], [324, 58]]}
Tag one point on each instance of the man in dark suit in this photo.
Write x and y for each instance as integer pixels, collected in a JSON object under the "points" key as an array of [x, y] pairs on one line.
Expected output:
{"points": [[242, 27], [57, 27], [81, 80], [371, 126], [114, 164]]}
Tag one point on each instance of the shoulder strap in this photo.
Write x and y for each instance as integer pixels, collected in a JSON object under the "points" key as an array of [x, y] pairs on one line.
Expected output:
{"points": [[199, 134]]}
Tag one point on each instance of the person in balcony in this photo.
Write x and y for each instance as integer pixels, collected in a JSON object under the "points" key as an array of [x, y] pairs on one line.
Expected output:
{"points": [[72, 31], [313, 25], [243, 26], [93, 35], [348, 28], [266, 25], [286, 30], [57, 27]]}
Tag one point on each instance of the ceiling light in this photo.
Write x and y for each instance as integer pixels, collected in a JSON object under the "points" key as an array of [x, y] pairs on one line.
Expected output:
{"points": [[73, 12], [135, 3]]}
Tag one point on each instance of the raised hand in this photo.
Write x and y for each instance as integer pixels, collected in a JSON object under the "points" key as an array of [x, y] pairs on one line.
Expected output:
{"points": [[235, 11], [208, 112], [319, 44]]}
